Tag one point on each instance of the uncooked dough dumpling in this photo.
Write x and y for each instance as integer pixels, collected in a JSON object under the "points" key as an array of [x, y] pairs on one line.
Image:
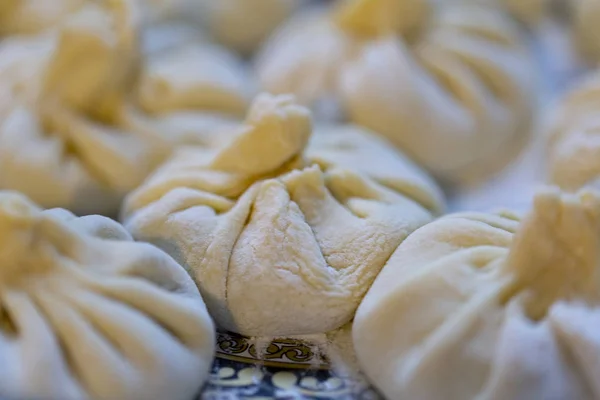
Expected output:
{"points": [[490, 306], [242, 25], [283, 241], [189, 90], [573, 134], [93, 113], [59, 142], [87, 313], [449, 82]]}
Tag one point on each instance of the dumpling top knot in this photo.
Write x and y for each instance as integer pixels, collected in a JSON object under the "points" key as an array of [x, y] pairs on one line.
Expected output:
{"points": [[35, 242], [556, 252], [371, 18], [276, 131], [77, 295], [18, 217]]}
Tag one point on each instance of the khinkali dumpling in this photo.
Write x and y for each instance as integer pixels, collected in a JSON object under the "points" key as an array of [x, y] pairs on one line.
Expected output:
{"points": [[60, 142], [189, 88], [448, 82], [573, 133], [87, 313], [242, 25], [95, 114], [490, 306], [283, 241]]}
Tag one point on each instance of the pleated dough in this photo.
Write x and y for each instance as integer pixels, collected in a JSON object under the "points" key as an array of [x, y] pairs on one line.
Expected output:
{"points": [[283, 240], [89, 113], [490, 306], [189, 90], [449, 83], [87, 313], [573, 137]]}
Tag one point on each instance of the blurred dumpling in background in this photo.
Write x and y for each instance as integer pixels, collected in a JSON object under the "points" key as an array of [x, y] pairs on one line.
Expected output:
{"points": [[490, 306], [573, 134], [87, 313], [243, 25], [58, 143], [90, 112], [283, 239], [450, 83], [189, 90]]}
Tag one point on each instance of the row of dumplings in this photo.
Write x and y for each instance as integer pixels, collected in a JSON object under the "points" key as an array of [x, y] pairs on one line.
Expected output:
{"points": [[451, 84], [274, 215]]}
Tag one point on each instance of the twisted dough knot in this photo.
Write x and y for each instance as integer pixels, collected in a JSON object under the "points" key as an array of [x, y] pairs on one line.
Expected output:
{"points": [[373, 18]]}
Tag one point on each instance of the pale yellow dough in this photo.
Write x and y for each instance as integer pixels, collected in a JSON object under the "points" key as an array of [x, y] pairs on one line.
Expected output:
{"points": [[586, 31], [87, 313], [573, 137], [34, 16], [490, 306], [282, 238], [189, 90], [26, 17], [449, 82], [529, 11], [88, 111], [243, 25]]}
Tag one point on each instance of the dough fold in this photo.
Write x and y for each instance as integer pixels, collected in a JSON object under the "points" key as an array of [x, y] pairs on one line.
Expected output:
{"points": [[87, 313], [490, 306], [283, 235], [449, 83]]}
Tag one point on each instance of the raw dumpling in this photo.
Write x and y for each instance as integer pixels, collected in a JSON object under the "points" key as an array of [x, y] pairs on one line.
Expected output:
{"points": [[59, 142], [243, 25], [95, 114], [449, 83], [189, 88], [87, 313], [283, 241], [573, 134], [490, 306]]}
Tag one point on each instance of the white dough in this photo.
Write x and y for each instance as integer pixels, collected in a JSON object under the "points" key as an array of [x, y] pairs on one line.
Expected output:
{"points": [[283, 240], [87, 313], [88, 110], [450, 83], [490, 306]]}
